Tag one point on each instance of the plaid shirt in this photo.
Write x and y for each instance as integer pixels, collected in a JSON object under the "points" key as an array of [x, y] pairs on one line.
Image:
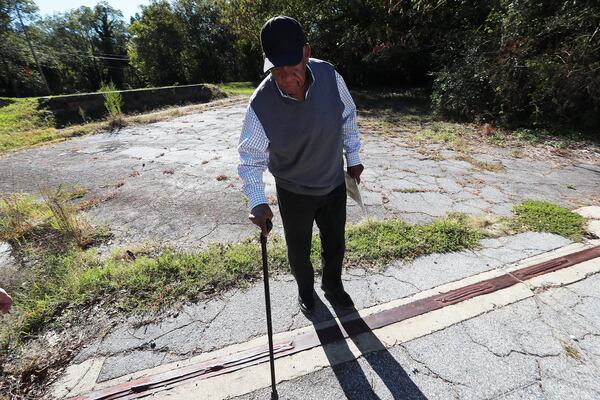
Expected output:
{"points": [[254, 145]]}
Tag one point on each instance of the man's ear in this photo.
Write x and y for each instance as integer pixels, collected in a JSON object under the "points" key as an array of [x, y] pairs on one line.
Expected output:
{"points": [[306, 52]]}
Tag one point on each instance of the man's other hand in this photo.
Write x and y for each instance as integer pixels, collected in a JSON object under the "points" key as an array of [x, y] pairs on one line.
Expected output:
{"points": [[259, 216], [5, 302], [355, 172]]}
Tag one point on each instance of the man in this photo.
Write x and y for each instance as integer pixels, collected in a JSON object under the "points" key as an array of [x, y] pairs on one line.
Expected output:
{"points": [[300, 121]]}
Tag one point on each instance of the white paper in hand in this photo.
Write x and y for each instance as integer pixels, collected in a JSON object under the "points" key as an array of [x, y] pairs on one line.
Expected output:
{"points": [[353, 191]]}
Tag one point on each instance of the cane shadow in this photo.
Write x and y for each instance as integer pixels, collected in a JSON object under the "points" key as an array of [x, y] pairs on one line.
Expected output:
{"points": [[344, 364]]}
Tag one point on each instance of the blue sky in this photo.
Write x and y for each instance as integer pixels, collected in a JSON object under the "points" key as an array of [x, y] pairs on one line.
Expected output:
{"points": [[128, 7]]}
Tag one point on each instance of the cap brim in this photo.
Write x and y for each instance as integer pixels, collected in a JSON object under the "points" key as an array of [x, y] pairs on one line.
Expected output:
{"points": [[282, 60]]}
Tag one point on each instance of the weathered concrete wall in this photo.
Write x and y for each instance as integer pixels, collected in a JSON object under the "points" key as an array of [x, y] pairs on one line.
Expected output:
{"points": [[79, 107]]}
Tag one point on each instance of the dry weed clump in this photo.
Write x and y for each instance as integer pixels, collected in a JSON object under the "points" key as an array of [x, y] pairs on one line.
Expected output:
{"points": [[51, 217], [67, 221]]}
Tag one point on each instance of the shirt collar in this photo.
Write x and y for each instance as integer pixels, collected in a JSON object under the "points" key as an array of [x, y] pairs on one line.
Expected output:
{"points": [[311, 78]]}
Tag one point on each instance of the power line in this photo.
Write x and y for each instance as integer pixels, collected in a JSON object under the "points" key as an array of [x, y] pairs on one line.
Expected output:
{"points": [[81, 54], [107, 58]]}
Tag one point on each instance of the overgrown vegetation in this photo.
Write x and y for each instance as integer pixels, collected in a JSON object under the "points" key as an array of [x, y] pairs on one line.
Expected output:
{"points": [[22, 124], [113, 101], [512, 63], [243, 88], [406, 114], [48, 221], [526, 63], [482, 165], [542, 216]]}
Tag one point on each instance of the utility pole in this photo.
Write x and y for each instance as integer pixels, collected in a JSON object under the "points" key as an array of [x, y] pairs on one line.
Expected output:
{"points": [[31, 48]]}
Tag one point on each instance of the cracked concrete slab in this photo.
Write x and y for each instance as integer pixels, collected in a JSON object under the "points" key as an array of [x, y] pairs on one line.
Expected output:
{"points": [[512, 338], [118, 365], [507, 353], [591, 212], [176, 181]]}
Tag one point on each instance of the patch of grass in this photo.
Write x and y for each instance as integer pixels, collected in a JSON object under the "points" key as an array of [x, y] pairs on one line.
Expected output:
{"points": [[243, 88], [392, 112], [451, 134], [19, 214], [543, 216], [489, 225], [558, 137], [442, 132], [481, 165], [22, 124], [411, 190], [76, 278], [571, 351], [379, 241], [21, 115]]}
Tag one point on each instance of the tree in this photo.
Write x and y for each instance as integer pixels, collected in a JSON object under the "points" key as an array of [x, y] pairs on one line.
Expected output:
{"points": [[155, 45], [111, 39], [208, 53], [18, 72]]}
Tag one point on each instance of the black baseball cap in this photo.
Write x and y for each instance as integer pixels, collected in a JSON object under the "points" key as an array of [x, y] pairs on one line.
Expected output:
{"points": [[282, 41]]}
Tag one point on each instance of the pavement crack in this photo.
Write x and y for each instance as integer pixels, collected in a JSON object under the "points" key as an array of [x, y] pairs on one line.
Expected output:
{"points": [[83, 375], [513, 390], [432, 373], [510, 352], [293, 321], [540, 376]]}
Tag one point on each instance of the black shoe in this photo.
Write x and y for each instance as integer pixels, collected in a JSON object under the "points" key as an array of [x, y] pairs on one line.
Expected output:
{"points": [[338, 298], [306, 303]]}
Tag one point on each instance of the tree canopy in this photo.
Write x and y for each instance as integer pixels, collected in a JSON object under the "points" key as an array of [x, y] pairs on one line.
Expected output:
{"points": [[511, 61]]}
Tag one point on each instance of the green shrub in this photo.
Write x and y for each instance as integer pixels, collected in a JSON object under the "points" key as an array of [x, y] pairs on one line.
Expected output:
{"points": [[113, 101], [530, 63]]}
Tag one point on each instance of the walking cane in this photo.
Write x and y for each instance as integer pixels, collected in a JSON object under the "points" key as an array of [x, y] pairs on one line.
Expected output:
{"points": [[263, 245]]}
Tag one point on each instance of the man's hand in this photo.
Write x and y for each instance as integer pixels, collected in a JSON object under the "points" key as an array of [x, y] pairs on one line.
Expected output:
{"points": [[355, 172], [259, 216], [5, 302]]}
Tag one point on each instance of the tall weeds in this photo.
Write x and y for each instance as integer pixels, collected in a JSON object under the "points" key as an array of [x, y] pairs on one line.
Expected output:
{"points": [[113, 101]]}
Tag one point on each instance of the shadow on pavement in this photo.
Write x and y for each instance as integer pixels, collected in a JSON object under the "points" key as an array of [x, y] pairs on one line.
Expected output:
{"points": [[346, 367]]}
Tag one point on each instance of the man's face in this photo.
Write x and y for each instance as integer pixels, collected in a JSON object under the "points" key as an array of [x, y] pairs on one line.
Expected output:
{"points": [[291, 79]]}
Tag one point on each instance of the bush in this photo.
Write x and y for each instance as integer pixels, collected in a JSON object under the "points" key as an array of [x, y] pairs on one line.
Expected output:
{"points": [[531, 64], [464, 89]]}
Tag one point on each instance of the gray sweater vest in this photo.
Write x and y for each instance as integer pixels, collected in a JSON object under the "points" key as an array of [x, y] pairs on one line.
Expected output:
{"points": [[305, 137]]}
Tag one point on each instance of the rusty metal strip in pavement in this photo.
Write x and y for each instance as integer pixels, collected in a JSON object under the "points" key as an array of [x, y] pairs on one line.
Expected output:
{"points": [[351, 325]]}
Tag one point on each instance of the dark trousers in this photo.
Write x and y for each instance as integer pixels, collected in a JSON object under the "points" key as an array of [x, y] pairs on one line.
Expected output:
{"points": [[298, 212]]}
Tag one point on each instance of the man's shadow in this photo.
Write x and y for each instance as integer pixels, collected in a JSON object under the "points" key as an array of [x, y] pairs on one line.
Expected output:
{"points": [[346, 367]]}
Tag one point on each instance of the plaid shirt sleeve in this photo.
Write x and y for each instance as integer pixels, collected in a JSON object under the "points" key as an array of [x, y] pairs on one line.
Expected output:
{"points": [[253, 159], [350, 128]]}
